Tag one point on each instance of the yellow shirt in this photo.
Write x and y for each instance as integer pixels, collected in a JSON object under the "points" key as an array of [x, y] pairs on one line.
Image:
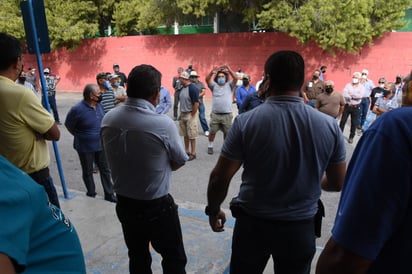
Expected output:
{"points": [[21, 116]]}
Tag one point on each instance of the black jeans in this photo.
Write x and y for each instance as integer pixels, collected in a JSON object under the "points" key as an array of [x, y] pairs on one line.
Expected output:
{"points": [[154, 222], [176, 103], [86, 161], [42, 177], [290, 243], [353, 111]]}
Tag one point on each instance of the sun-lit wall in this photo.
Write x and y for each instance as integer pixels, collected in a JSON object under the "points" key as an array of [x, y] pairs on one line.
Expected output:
{"points": [[388, 56]]}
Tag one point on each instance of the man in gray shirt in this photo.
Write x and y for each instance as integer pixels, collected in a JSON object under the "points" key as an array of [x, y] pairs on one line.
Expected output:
{"points": [[143, 148]]}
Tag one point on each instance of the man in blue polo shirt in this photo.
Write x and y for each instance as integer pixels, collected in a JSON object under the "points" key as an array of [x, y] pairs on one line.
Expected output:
{"points": [[83, 122]]}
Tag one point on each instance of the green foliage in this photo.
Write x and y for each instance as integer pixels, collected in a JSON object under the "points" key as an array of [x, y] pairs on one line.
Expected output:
{"points": [[344, 25], [11, 18], [70, 21], [334, 25]]}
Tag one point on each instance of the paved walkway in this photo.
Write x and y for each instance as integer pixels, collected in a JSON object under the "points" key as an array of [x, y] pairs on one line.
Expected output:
{"points": [[100, 231]]}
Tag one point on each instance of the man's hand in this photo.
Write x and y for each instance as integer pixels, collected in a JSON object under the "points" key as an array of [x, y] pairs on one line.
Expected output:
{"points": [[217, 222]]}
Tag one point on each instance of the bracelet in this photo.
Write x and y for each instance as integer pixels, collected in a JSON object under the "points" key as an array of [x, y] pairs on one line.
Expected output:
{"points": [[211, 212]]}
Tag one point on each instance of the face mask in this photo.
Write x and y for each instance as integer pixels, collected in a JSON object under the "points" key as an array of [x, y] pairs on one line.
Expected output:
{"points": [[221, 81], [329, 89], [106, 84], [22, 79], [315, 77], [117, 84], [398, 80], [99, 98], [355, 80], [245, 82], [116, 69], [386, 93], [381, 85]]}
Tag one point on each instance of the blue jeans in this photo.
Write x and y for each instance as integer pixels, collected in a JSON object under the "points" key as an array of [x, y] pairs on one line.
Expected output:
{"points": [[202, 117], [290, 243], [154, 222], [53, 107], [363, 111], [86, 160]]}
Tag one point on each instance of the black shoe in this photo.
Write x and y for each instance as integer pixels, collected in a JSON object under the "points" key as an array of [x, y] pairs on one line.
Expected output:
{"points": [[350, 141], [59, 123], [111, 198], [92, 195]]}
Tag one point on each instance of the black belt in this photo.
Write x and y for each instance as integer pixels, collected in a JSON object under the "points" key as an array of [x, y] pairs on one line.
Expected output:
{"points": [[354, 106], [364, 98], [144, 203], [40, 175], [221, 113]]}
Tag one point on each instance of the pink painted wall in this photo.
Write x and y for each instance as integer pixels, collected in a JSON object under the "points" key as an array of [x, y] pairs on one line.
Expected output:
{"points": [[388, 56]]}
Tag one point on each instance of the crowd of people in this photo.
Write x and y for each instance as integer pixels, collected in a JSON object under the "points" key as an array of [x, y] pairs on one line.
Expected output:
{"points": [[122, 126]]}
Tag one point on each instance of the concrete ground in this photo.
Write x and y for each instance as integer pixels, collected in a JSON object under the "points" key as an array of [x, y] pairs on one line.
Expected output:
{"points": [[100, 231]]}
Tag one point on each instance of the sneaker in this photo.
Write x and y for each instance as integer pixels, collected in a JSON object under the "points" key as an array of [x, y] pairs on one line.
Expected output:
{"points": [[350, 141], [210, 150], [206, 133]]}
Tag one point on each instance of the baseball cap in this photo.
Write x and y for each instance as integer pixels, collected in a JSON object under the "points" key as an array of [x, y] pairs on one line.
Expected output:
{"points": [[193, 73], [115, 65], [46, 70], [113, 76], [31, 68], [185, 75], [246, 76], [365, 71]]}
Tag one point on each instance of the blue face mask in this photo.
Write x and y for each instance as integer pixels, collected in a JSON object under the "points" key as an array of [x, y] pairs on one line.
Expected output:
{"points": [[107, 84], [117, 84], [221, 81]]}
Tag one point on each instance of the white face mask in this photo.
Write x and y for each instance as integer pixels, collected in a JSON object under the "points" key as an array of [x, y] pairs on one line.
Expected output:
{"points": [[355, 80], [381, 85]]}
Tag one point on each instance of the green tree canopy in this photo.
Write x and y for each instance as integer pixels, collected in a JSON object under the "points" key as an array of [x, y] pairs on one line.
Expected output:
{"points": [[334, 25]]}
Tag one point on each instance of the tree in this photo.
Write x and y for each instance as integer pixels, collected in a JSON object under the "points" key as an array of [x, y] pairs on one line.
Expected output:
{"points": [[334, 25]]}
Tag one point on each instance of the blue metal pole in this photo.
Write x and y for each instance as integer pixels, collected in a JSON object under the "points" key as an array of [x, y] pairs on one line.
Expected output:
{"points": [[44, 94]]}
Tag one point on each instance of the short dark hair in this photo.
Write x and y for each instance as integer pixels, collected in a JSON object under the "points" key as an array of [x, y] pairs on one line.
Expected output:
{"points": [[101, 75], [143, 82], [286, 71], [10, 50], [88, 89]]}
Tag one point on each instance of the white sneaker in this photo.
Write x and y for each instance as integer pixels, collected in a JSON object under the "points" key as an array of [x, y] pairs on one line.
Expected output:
{"points": [[206, 133]]}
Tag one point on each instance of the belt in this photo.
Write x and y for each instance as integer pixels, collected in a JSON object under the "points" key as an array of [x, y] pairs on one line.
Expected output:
{"points": [[144, 203], [221, 113], [364, 98], [354, 106]]}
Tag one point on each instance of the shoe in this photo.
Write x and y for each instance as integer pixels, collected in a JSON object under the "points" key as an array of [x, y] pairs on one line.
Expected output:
{"points": [[206, 133], [92, 195], [192, 157], [174, 118], [350, 141], [96, 170], [59, 123], [111, 198], [210, 150]]}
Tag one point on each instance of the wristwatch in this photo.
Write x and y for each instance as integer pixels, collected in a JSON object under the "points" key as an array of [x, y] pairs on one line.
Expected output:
{"points": [[211, 212]]}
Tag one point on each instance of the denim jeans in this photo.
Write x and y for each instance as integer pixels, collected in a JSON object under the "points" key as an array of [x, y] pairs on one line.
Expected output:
{"points": [[53, 107], [86, 161], [202, 117], [290, 243], [154, 222], [363, 111]]}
